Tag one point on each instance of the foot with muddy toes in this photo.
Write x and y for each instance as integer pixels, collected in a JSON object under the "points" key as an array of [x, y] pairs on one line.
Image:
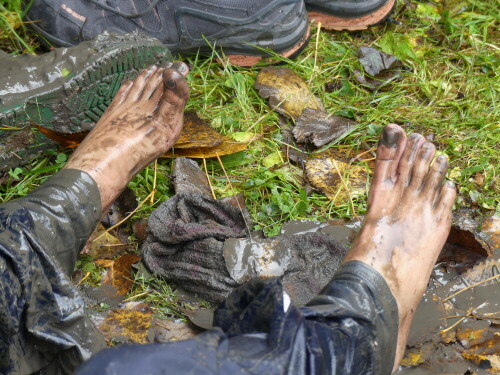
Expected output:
{"points": [[408, 219], [143, 121]]}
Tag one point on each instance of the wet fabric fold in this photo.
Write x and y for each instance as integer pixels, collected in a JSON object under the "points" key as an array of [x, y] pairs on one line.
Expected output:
{"points": [[203, 246], [42, 318], [350, 329]]}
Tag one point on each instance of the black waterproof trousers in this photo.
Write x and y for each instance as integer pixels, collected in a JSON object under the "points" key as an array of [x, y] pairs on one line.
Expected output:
{"points": [[350, 328]]}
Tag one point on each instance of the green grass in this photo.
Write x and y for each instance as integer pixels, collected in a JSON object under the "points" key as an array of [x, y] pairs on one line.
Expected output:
{"points": [[448, 91]]}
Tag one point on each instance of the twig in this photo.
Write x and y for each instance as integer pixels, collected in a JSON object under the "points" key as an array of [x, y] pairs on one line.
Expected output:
{"points": [[315, 55], [136, 296], [452, 326], [83, 279], [154, 183], [345, 186], [128, 216], [471, 286], [237, 201], [208, 179]]}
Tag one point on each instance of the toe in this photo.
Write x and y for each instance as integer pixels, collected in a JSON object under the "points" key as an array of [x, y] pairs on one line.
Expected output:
{"points": [[181, 68], [405, 166], [153, 83], [390, 148], [122, 93], [175, 94], [445, 200], [421, 165], [140, 82], [434, 178]]}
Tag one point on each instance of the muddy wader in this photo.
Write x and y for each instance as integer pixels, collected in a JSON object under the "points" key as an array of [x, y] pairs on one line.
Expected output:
{"points": [[350, 328]]}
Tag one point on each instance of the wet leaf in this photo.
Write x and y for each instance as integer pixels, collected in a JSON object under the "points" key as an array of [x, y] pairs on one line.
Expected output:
{"points": [[170, 330], [380, 68], [244, 137], [119, 274], [197, 133], [199, 140], [324, 175], [105, 245], [272, 159], [319, 128], [69, 140], [287, 92], [398, 45], [120, 208], [375, 61], [130, 323]]}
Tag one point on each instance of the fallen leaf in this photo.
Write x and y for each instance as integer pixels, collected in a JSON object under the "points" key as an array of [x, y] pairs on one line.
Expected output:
{"points": [[130, 323], [245, 137], [120, 208], [317, 127], [272, 159], [197, 133], [287, 92], [69, 140], [170, 330], [105, 245], [199, 140], [119, 274], [323, 174], [375, 61]]}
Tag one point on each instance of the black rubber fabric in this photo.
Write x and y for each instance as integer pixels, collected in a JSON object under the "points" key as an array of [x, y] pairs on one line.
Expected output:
{"points": [[345, 8], [185, 26], [43, 324], [350, 329]]}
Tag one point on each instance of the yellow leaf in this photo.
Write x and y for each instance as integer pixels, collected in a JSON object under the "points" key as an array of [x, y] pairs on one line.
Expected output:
{"points": [[336, 179], [287, 92]]}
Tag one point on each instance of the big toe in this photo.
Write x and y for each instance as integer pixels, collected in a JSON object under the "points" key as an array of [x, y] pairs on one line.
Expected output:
{"points": [[175, 93], [390, 148]]}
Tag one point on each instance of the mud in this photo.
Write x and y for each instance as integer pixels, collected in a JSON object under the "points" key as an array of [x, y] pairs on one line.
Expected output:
{"points": [[455, 328]]}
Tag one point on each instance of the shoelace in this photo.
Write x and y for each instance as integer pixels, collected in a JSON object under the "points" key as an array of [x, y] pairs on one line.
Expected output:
{"points": [[103, 5]]}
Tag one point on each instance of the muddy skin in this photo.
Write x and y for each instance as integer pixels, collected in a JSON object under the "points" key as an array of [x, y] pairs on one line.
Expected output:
{"points": [[408, 220], [143, 122]]}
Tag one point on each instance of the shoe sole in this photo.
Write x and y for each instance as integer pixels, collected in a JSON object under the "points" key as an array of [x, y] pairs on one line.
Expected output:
{"points": [[330, 22], [247, 61], [74, 106]]}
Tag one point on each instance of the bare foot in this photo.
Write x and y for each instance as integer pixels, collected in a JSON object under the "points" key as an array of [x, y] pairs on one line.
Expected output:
{"points": [[408, 219], [143, 122]]}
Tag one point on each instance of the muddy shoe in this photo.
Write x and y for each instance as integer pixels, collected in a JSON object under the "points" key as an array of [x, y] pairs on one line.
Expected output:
{"points": [[65, 90], [242, 29], [349, 14]]}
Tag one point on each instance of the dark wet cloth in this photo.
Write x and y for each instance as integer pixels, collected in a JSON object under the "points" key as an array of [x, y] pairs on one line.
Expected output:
{"points": [[350, 328], [188, 245], [42, 320]]}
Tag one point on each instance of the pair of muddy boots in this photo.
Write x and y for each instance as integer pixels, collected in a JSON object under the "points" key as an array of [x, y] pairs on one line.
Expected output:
{"points": [[68, 89]]}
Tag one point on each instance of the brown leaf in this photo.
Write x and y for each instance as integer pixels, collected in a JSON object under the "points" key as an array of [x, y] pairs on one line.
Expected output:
{"points": [[346, 154], [225, 148], [105, 245], [130, 323], [197, 133], [70, 140], [199, 140], [169, 330], [317, 127], [287, 92], [323, 174], [120, 272]]}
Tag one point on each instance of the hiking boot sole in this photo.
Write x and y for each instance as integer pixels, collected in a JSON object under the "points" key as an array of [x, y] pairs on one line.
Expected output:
{"points": [[330, 22], [77, 102]]}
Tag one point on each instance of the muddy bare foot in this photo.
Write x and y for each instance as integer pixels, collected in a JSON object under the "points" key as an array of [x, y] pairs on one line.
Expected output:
{"points": [[143, 122], [408, 219]]}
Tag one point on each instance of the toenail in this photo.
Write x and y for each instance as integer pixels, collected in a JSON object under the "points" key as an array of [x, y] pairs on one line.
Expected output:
{"points": [[450, 184], [167, 64], [414, 137], [390, 137], [441, 158], [152, 68]]}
